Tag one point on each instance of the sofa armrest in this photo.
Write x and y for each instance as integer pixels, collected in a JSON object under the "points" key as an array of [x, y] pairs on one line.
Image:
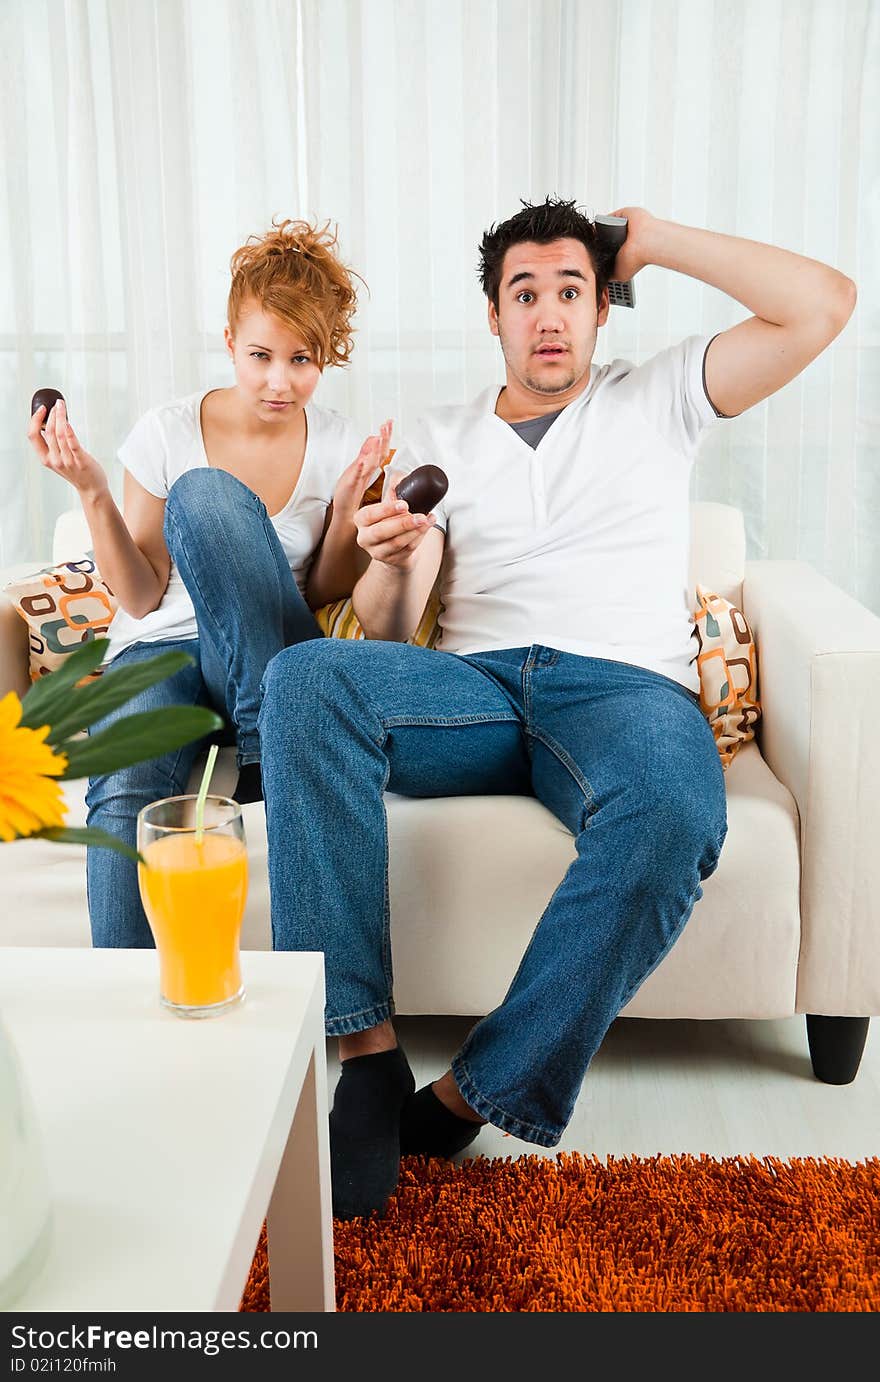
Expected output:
{"points": [[819, 685], [14, 647], [13, 650]]}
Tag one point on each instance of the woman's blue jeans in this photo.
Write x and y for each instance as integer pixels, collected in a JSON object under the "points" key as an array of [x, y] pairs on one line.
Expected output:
{"points": [[248, 607], [622, 756]]}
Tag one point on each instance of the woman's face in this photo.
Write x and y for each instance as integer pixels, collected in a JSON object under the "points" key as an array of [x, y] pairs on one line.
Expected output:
{"points": [[275, 371]]}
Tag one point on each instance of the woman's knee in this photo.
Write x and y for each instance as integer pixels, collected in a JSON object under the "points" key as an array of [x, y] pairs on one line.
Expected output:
{"points": [[203, 493], [205, 481], [120, 795]]}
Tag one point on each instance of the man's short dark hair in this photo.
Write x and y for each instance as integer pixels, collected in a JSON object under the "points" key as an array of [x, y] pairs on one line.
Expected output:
{"points": [[552, 219]]}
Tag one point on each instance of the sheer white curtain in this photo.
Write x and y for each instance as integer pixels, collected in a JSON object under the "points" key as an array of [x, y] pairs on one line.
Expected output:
{"points": [[143, 140]]}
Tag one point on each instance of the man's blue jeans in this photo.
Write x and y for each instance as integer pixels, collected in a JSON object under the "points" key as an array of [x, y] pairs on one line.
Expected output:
{"points": [[622, 756], [248, 607]]}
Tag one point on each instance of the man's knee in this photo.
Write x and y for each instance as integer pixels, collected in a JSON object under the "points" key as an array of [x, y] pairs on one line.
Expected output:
{"points": [[314, 671], [321, 666], [686, 815], [343, 680], [683, 790]]}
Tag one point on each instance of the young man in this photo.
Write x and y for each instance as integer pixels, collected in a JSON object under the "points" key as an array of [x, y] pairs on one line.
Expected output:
{"points": [[566, 670]]}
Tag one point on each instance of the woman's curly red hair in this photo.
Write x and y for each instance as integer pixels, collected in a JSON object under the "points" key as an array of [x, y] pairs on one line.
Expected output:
{"points": [[294, 272]]}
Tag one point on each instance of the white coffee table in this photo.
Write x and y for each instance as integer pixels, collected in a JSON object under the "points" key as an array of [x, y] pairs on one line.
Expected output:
{"points": [[167, 1140]]}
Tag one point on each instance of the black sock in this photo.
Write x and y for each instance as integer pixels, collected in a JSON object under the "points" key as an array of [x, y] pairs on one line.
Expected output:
{"points": [[250, 784], [429, 1128], [364, 1131]]}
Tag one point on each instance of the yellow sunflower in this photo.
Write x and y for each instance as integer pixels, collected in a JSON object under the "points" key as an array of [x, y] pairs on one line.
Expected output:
{"points": [[29, 800]]}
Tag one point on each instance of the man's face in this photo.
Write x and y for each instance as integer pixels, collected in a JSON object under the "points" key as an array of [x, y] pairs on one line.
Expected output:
{"points": [[547, 320]]}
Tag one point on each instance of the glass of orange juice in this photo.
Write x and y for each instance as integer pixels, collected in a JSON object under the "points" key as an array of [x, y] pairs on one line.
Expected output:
{"points": [[193, 885]]}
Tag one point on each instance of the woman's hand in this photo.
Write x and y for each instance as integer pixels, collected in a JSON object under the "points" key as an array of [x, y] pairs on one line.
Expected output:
{"points": [[389, 533], [634, 253], [355, 480], [61, 452]]}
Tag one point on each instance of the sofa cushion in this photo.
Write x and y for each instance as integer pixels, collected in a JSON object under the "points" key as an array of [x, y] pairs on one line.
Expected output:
{"points": [[453, 953]]}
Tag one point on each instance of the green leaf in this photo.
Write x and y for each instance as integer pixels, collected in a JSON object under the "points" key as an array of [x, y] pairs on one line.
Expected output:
{"points": [[85, 705], [48, 697], [75, 836], [136, 738]]}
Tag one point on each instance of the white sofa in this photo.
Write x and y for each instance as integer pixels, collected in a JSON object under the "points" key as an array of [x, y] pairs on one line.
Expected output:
{"points": [[787, 924]]}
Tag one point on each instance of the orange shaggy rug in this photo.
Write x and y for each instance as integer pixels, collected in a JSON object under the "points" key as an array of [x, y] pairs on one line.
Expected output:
{"points": [[572, 1233]]}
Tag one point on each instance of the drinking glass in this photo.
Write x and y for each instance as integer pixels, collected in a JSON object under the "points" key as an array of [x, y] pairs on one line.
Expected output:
{"points": [[193, 887]]}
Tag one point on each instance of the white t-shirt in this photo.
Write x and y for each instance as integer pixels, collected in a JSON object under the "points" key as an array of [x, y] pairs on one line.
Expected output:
{"points": [[167, 441], [581, 544]]}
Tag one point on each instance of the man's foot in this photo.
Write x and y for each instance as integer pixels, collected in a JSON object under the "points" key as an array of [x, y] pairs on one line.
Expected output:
{"points": [[429, 1128], [365, 1131], [250, 784]]}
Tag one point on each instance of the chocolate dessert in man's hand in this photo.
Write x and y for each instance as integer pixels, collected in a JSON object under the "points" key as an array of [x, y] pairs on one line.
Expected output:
{"points": [[422, 488]]}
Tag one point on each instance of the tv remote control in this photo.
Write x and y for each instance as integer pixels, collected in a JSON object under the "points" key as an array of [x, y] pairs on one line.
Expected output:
{"points": [[612, 230]]}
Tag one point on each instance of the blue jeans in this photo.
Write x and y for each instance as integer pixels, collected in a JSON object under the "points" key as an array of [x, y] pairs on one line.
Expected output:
{"points": [[248, 607], [622, 756]]}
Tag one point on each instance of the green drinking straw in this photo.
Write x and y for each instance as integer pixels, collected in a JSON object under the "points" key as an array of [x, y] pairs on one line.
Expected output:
{"points": [[203, 792]]}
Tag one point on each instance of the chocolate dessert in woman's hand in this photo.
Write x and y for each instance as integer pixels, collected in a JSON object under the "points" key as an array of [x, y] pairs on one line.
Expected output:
{"points": [[45, 398]]}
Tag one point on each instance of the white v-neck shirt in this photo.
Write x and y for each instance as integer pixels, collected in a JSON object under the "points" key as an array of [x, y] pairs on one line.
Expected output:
{"points": [[167, 441], [582, 543]]}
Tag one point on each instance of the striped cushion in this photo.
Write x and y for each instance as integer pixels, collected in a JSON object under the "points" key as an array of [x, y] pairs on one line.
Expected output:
{"points": [[340, 621]]}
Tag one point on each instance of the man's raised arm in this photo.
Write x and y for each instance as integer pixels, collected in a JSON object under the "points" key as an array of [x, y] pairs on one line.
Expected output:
{"points": [[404, 550], [800, 304]]}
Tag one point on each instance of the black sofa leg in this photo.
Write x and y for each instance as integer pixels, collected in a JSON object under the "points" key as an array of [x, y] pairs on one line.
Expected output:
{"points": [[836, 1046]]}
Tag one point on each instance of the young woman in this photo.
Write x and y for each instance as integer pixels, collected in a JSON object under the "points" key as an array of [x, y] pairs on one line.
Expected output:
{"points": [[238, 522]]}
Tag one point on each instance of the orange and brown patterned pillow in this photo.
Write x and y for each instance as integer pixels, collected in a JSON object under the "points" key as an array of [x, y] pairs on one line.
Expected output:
{"points": [[728, 667], [63, 606]]}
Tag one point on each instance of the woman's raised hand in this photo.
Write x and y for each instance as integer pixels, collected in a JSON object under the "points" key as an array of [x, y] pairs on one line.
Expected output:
{"points": [[355, 480], [59, 449]]}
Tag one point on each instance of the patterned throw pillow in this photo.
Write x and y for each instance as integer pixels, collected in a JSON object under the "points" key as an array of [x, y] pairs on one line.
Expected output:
{"points": [[63, 606], [728, 667]]}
